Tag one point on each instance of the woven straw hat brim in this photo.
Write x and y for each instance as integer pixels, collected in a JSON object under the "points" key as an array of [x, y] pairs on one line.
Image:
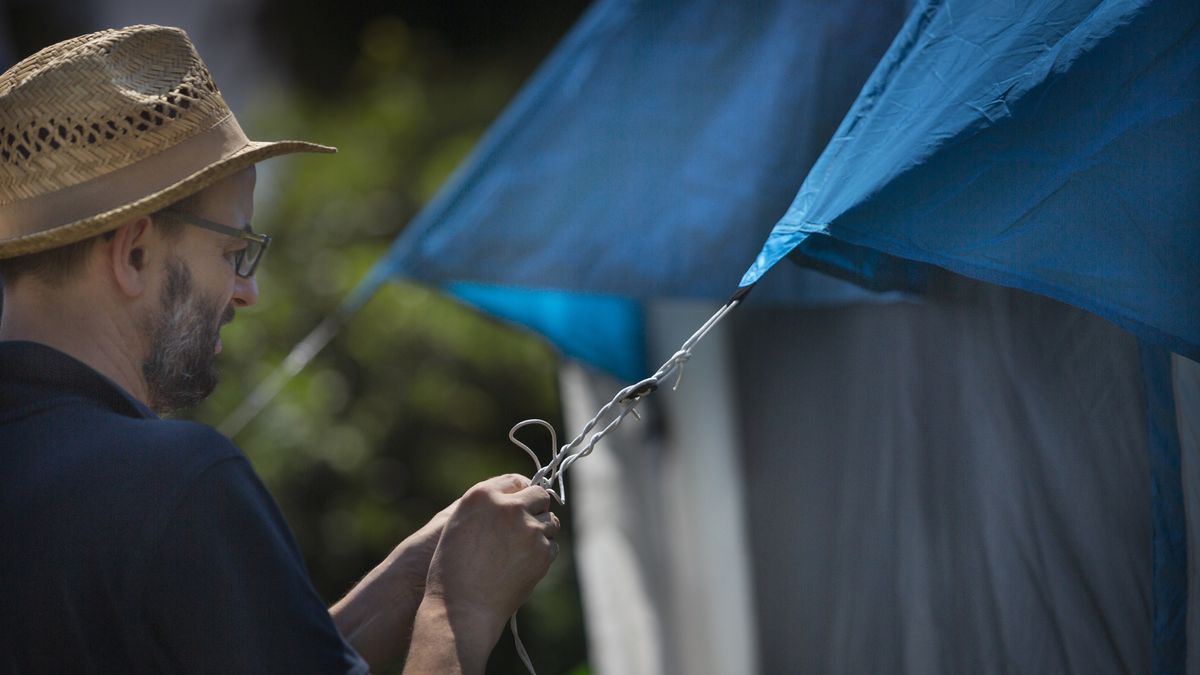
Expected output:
{"points": [[91, 226], [106, 128]]}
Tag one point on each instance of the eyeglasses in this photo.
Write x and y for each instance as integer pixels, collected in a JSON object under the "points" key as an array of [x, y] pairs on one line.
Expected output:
{"points": [[248, 258]]}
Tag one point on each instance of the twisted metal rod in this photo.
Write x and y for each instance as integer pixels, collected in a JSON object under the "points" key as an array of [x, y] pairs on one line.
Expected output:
{"points": [[627, 401]]}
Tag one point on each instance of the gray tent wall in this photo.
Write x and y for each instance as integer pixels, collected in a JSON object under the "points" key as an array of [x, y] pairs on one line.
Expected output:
{"points": [[1186, 376], [959, 484]]}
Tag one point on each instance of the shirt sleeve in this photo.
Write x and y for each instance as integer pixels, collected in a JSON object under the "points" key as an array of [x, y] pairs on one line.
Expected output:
{"points": [[227, 590]]}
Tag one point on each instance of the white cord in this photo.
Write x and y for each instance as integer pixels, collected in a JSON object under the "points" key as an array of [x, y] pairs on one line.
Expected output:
{"points": [[627, 401], [512, 624]]}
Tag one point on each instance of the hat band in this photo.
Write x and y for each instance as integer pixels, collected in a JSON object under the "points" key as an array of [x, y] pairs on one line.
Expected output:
{"points": [[123, 186]]}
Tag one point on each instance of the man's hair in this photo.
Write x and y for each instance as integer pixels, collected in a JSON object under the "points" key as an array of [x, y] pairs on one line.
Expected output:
{"points": [[58, 265], [52, 267]]}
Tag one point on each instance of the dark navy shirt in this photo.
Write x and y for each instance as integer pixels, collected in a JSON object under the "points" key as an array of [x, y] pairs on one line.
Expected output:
{"points": [[132, 544]]}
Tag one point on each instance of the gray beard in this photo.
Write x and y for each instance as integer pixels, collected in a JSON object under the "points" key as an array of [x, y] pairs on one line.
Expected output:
{"points": [[181, 370]]}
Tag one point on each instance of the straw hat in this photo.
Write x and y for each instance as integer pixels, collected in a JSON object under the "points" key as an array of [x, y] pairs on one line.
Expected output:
{"points": [[108, 127]]}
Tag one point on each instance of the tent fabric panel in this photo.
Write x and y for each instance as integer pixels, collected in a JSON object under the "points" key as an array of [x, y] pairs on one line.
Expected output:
{"points": [[960, 484], [1057, 156], [956, 485]]}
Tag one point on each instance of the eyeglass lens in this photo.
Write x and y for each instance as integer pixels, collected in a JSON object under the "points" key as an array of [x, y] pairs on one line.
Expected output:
{"points": [[248, 259]]}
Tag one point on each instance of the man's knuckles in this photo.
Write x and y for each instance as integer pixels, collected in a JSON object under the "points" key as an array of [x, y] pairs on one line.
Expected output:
{"points": [[479, 496], [492, 504], [509, 482]]}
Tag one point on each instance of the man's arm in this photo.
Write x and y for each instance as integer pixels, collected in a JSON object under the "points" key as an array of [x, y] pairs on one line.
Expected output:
{"points": [[225, 589], [512, 526], [376, 616], [496, 546]]}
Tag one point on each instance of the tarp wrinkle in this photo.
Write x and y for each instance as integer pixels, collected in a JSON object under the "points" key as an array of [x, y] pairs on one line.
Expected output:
{"points": [[1004, 143]]}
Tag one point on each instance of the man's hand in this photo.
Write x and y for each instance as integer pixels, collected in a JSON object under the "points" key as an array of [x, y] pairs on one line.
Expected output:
{"points": [[498, 549], [497, 544], [415, 552]]}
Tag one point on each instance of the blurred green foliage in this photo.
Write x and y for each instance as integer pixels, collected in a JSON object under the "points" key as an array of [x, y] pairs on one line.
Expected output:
{"points": [[411, 403]]}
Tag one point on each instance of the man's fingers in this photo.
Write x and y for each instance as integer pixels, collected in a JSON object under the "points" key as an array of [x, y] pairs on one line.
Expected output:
{"points": [[535, 499], [550, 524], [508, 483]]}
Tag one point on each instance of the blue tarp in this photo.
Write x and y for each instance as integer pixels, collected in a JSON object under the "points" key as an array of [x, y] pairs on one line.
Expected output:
{"points": [[651, 153], [648, 158], [1048, 146]]}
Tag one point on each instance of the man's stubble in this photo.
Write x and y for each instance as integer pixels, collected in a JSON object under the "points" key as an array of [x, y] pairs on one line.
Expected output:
{"points": [[181, 369]]}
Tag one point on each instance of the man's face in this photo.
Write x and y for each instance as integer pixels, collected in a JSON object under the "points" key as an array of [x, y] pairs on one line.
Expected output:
{"points": [[181, 369], [198, 295]]}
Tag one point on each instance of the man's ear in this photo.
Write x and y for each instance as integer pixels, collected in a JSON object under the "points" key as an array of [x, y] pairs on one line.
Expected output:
{"points": [[127, 256]]}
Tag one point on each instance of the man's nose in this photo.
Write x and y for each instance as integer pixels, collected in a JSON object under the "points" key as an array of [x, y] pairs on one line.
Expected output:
{"points": [[245, 292]]}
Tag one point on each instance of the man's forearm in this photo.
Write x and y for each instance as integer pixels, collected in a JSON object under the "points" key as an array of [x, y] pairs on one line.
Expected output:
{"points": [[450, 642], [376, 616]]}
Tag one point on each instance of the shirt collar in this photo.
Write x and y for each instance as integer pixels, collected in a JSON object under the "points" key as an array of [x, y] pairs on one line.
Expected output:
{"points": [[42, 371]]}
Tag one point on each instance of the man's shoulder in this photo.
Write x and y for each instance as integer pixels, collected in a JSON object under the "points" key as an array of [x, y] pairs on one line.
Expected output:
{"points": [[102, 434], [80, 453], [169, 453], [58, 413], [97, 488], [181, 440]]}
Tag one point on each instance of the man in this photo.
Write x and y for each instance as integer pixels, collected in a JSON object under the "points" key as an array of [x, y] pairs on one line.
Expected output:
{"points": [[131, 543]]}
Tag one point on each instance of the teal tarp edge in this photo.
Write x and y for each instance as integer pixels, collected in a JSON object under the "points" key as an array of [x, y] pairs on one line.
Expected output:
{"points": [[602, 330]]}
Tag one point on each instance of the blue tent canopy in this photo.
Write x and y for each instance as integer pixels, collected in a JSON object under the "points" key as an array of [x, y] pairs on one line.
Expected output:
{"points": [[647, 158], [652, 151], [1048, 146]]}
